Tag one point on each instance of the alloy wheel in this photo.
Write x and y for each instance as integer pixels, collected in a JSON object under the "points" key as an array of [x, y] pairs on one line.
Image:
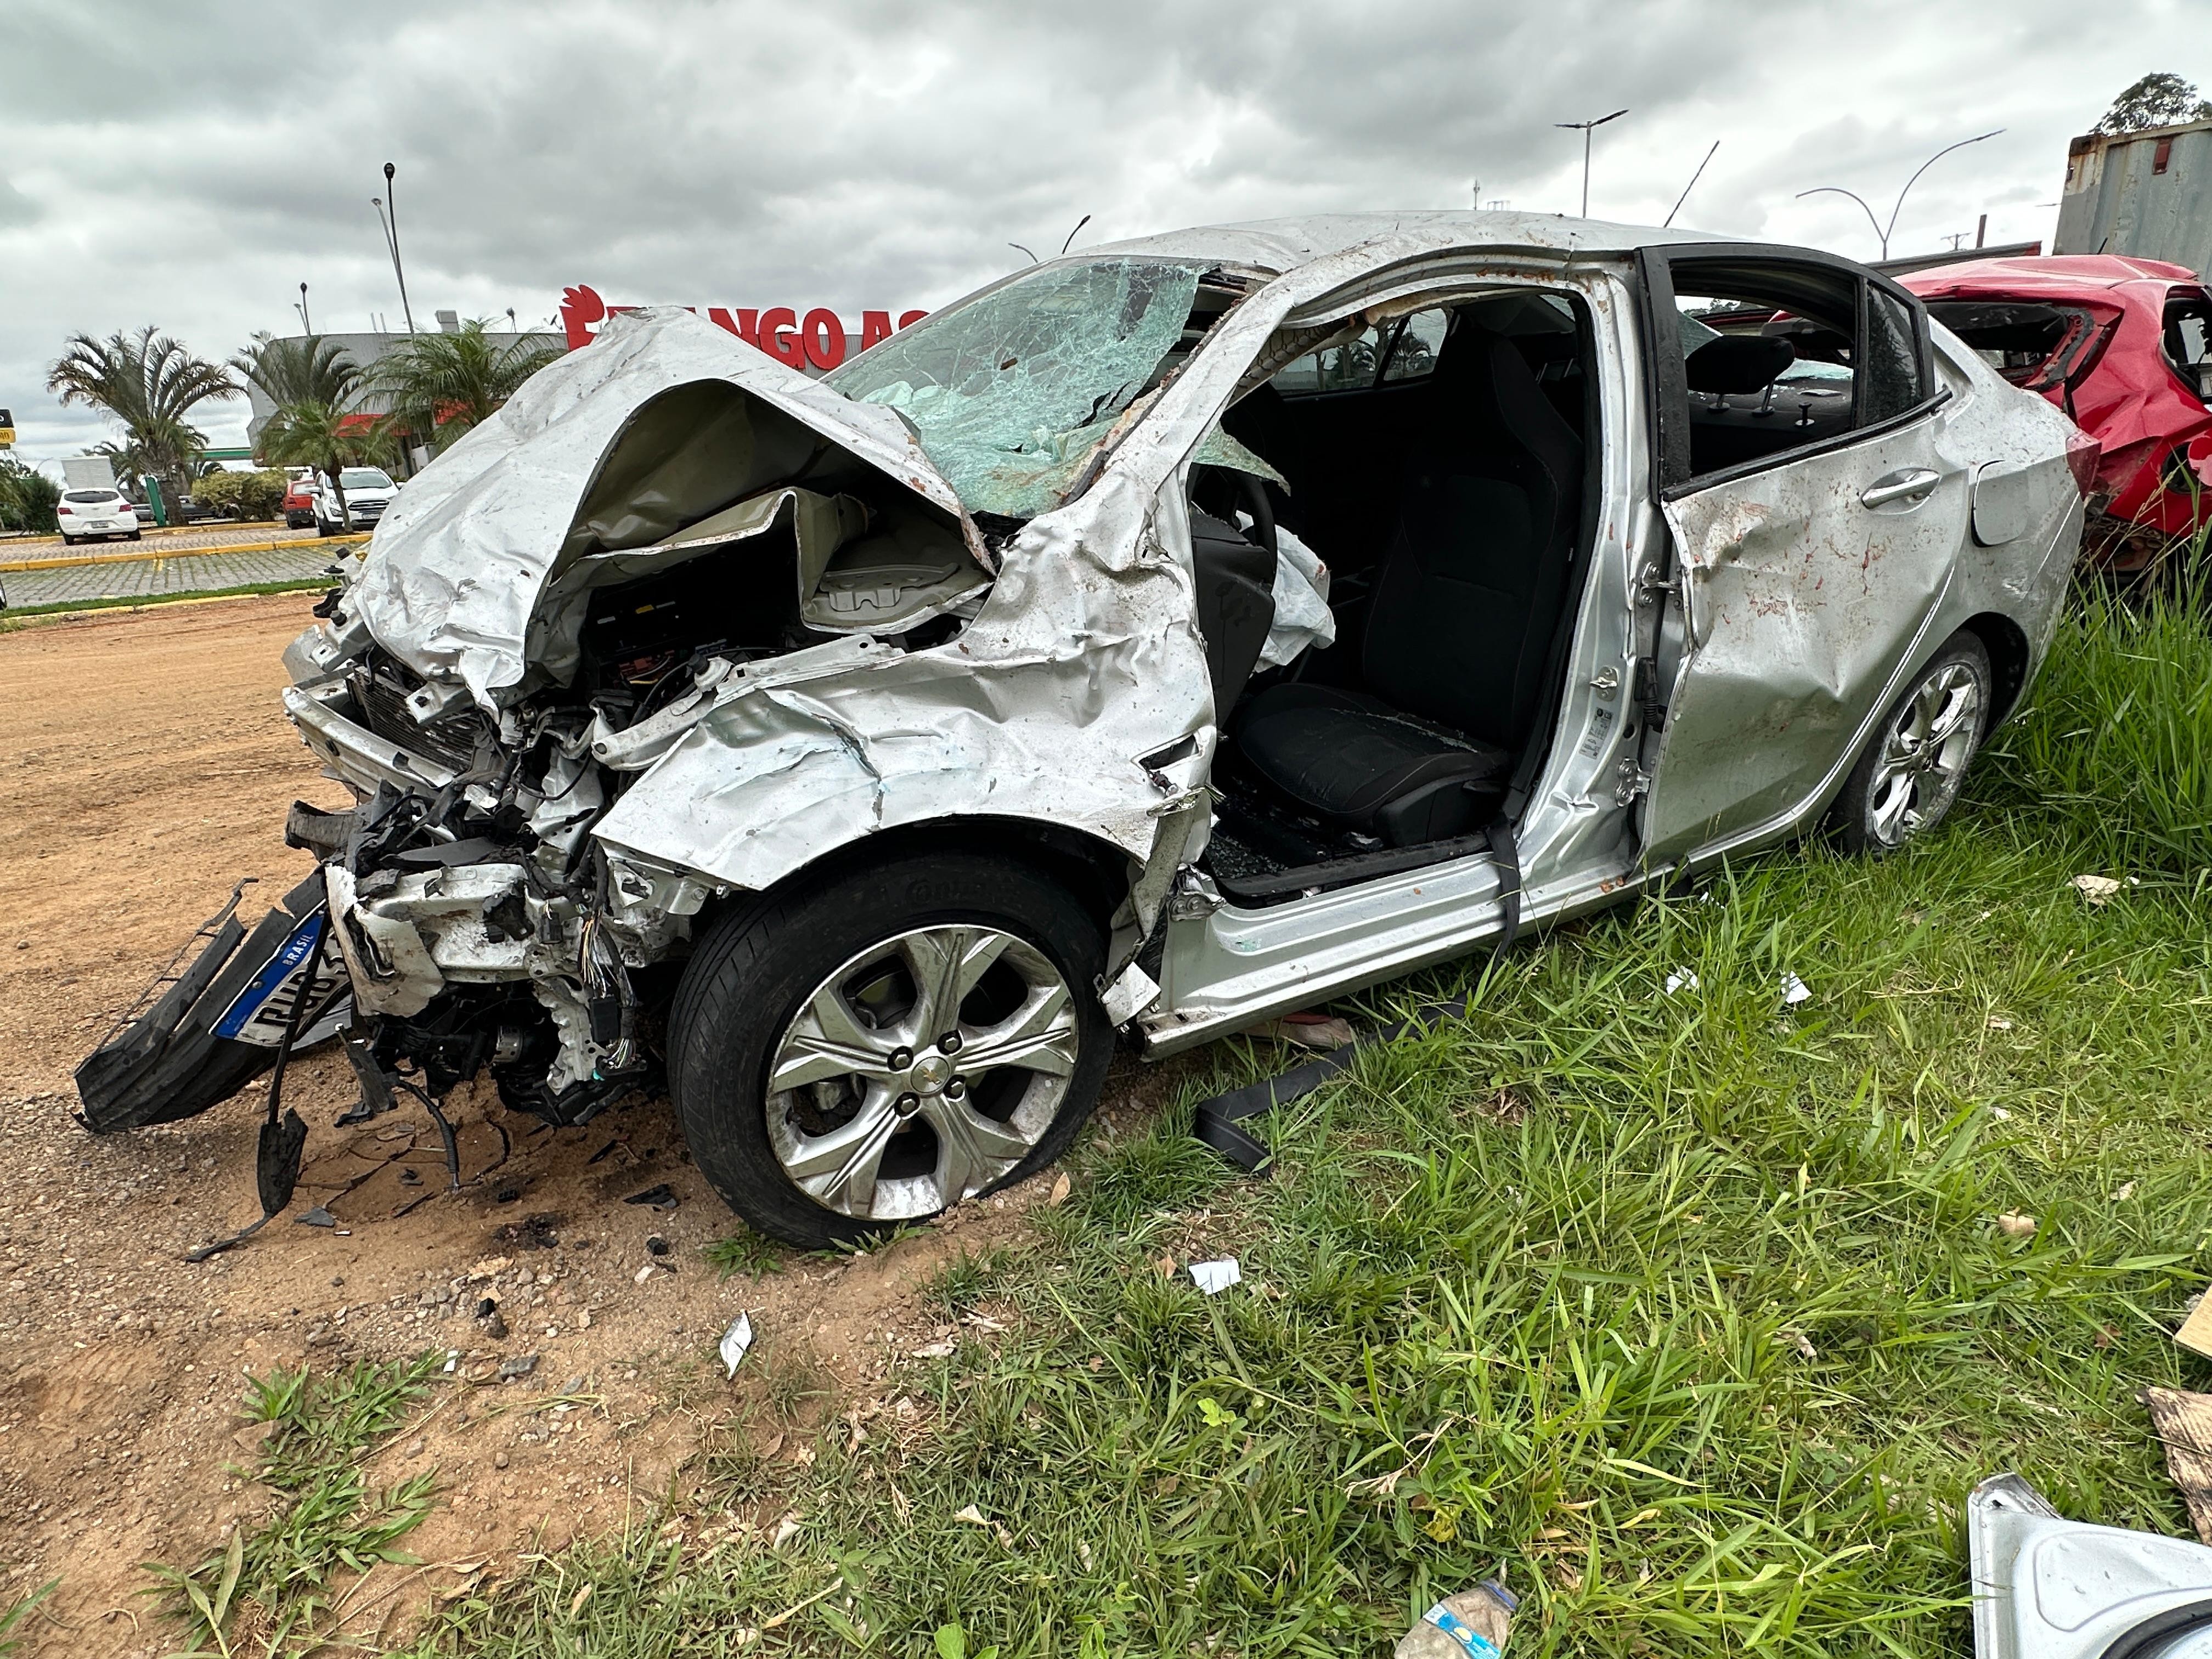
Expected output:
{"points": [[1925, 753], [920, 1072]]}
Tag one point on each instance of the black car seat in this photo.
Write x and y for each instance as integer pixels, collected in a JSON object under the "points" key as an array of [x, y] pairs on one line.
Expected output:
{"points": [[1467, 598]]}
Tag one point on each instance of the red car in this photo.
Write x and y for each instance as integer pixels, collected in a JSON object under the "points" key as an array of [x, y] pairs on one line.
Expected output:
{"points": [[2125, 346]]}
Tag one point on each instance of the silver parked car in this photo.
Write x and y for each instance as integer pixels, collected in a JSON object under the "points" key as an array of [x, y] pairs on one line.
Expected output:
{"points": [[1163, 638]]}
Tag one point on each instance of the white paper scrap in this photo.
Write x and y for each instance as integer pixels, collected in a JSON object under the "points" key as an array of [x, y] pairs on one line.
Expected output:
{"points": [[1215, 1277], [1682, 979], [736, 1340], [1794, 991]]}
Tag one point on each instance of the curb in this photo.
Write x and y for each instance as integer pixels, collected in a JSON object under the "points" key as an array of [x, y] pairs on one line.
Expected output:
{"points": [[20, 623], [143, 555]]}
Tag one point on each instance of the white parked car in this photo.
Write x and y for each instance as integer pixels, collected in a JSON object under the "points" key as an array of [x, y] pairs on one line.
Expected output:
{"points": [[85, 513], [368, 491]]}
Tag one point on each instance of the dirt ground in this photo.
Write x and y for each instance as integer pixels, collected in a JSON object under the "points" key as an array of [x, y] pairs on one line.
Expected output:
{"points": [[148, 766]]}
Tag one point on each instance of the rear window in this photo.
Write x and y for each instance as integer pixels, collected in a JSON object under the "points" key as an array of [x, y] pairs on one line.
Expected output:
{"points": [[82, 496]]}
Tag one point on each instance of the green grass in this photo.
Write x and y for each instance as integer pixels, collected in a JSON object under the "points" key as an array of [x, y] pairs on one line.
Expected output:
{"points": [[268, 1590], [1687, 1314], [13, 1615], [16, 615]]}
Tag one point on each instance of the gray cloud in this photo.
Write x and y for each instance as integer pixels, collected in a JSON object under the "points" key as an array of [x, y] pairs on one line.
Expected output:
{"points": [[856, 152]]}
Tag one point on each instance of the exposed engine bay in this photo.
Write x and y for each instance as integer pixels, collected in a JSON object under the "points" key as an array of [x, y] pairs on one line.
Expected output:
{"points": [[469, 872]]}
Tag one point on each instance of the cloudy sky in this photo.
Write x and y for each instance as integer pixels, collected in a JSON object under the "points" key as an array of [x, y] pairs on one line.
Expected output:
{"points": [[191, 166]]}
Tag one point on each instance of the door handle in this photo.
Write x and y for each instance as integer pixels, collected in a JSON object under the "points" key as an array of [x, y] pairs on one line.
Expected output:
{"points": [[1912, 483]]}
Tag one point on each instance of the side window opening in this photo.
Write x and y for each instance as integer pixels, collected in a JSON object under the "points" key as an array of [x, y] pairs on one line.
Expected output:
{"points": [[1443, 502], [2187, 335], [1779, 358]]}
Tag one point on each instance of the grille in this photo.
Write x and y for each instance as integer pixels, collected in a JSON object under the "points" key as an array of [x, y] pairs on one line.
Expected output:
{"points": [[450, 741]]}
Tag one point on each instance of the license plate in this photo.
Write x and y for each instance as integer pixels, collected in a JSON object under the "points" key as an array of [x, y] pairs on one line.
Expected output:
{"points": [[307, 963]]}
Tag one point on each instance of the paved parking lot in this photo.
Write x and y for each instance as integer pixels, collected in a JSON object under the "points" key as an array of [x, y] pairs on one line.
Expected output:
{"points": [[160, 575]]}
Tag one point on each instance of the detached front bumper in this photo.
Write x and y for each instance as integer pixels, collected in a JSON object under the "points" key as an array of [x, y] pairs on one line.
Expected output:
{"points": [[202, 1031]]}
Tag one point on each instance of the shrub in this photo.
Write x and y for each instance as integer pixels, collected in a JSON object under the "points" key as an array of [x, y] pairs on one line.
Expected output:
{"points": [[27, 499], [242, 495]]}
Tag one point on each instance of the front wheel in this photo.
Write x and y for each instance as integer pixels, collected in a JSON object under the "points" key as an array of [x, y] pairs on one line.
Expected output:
{"points": [[875, 1051], [1913, 768]]}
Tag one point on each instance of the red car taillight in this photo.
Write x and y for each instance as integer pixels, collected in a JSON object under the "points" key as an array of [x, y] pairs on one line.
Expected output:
{"points": [[2083, 454]]}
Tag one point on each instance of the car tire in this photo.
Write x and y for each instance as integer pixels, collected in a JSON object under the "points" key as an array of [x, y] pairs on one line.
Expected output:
{"points": [[136, 536], [800, 985], [322, 529], [1918, 758], [68, 541]]}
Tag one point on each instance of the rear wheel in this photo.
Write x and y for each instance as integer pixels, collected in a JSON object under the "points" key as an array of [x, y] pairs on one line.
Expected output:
{"points": [[68, 541], [1913, 768], [916, 1034]]}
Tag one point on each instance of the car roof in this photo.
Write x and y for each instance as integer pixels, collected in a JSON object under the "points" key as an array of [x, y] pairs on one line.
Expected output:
{"points": [[1283, 245]]}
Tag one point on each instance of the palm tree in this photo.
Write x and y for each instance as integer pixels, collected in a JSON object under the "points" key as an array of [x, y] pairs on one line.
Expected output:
{"points": [[442, 385], [310, 370], [148, 382], [328, 438]]}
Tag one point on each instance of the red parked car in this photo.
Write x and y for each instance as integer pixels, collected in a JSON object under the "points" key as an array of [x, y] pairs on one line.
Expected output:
{"points": [[299, 507], [2125, 346]]}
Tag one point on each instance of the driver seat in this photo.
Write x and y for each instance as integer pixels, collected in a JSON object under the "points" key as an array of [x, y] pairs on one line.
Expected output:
{"points": [[1466, 599]]}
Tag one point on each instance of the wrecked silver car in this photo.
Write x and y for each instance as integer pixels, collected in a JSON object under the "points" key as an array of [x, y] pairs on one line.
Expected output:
{"points": [[1161, 639]]}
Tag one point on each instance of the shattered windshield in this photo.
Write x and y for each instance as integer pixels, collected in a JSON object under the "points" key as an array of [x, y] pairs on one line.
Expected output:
{"points": [[1010, 392]]}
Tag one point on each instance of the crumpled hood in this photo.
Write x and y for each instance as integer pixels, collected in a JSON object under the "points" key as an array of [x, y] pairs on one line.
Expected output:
{"points": [[458, 566]]}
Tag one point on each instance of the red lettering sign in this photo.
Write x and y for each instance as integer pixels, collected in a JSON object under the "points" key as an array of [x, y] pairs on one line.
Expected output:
{"points": [[819, 342]]}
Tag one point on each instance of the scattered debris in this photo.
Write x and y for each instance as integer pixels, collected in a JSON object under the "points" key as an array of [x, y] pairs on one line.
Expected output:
{"points": [[2183, 1423], [2196, 1332], [1215, 1277], [514, 1367], [656, 1245], [662, 1197], [1469, 1625], [2125, 1191], [318, 1216], [1325, 1032], [976, 1517], [1794, 990], [736, 1340], [935, 1351], [642, 1274], [1999, 1023], [533, 1232], [2046, 1587], [2013, 1224], [1061, 1187], [1682, 979], [2098, 890]]}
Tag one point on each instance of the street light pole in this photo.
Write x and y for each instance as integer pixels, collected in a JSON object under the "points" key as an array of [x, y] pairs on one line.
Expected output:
{"points": [[1586, 128], [1883, 232], [391, 206], [304, 323]]}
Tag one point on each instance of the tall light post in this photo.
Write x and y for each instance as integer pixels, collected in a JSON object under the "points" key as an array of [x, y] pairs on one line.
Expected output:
{"points": [[305, 326], [388, 213], [1586, 128], [1881, 231]]}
